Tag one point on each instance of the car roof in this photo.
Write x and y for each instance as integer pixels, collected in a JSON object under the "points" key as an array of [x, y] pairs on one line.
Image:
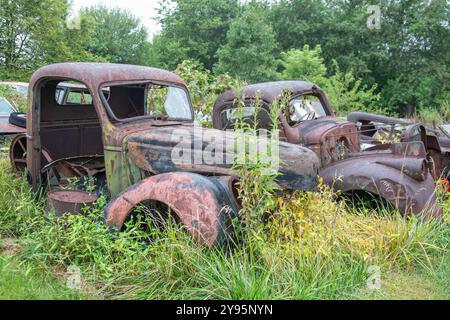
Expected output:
{"points": [[269, 91], [96, 74], [12, 83]]}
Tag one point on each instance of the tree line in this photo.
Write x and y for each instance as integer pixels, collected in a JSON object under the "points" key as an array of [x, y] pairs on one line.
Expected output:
{"points": [[400, 65]]}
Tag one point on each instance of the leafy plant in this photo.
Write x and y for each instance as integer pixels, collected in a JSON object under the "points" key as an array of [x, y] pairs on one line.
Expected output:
{"points": [[204, 88], [249, 51], [16, 99]]}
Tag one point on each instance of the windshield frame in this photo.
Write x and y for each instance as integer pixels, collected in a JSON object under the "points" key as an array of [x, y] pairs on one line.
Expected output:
{"points": [[445, 132], [146, 117]]}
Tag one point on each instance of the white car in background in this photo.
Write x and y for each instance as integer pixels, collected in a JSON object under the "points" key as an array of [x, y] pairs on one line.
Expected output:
{"points": [[20, 88], [6, 109]]}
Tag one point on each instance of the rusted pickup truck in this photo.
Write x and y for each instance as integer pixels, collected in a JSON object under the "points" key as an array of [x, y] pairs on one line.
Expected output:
{"points": [[123, 130], [401, 173]]}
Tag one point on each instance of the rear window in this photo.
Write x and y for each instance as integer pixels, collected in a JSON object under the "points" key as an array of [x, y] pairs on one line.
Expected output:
{"points": [[74, 94], [79, 97], [246, 114]]}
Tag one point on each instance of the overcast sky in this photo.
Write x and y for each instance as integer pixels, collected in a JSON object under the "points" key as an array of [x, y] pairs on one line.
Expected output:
{"points": [[144, 9]]}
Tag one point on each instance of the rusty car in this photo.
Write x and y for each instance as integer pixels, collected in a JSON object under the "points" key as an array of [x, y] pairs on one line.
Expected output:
{"points": [[120, 134], [376, 129], [397, 172]]}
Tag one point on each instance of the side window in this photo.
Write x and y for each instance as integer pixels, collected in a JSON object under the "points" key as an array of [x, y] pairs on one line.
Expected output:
{"points": [[59, 96], [155, 101]]}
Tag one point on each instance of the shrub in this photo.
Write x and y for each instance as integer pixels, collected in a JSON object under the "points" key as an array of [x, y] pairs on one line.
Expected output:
{"points": [[345, 92], [204, 88]]}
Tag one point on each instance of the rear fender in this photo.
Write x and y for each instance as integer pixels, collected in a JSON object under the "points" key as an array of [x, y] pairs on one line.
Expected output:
{"points": [[203, 205], [408, 194]]}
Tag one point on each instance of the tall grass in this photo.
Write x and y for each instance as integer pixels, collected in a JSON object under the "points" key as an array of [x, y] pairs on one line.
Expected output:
{"points": [[434, 116], [292, 246]]}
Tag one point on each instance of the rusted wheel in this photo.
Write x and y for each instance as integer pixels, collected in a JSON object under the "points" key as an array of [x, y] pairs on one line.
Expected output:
{"points": [[18, 153]]}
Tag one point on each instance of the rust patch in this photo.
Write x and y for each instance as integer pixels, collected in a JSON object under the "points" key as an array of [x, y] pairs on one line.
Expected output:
{"points": [[193, 198]]}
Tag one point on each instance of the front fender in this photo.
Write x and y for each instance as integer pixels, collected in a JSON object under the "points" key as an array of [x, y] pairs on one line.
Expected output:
{"points": [[203, 205], [408, 195]]}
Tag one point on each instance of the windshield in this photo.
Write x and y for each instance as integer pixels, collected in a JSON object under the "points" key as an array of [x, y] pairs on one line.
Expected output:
{"points": [[171, 102], [23, 90], [149, 100], [446, 129], [5, 108], [306, 107]]}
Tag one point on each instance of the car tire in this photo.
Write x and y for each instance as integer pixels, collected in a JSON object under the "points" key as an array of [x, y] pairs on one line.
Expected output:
{"points": [[18, 119]]}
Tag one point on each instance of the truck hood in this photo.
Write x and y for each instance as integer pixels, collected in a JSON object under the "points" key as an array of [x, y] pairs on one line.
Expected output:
{"points": [[153, 151], [312, 132]]}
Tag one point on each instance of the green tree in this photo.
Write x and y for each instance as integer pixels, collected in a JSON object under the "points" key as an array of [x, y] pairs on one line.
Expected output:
{"points": [[298, 22], [119, 36], [338, 26], [249, 51], [34, 33], [198, 27], [303, 64], [407, 56], [416, 38], [347, 93], [204, 88], [166, 53]]}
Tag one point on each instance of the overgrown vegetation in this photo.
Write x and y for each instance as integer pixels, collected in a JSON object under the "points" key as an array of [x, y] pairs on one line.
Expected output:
{"points": [[204, 88], [305, 251], [289, 246]]}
